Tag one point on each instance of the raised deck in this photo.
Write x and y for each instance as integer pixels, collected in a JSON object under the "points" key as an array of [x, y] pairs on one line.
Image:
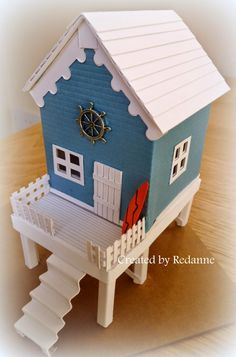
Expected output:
{"points": [[70, 231], [76, 234], [76, 225]]}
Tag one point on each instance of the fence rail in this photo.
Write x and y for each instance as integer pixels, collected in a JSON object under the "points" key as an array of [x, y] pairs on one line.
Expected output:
{"points": [[106, 259], [22, 200]]}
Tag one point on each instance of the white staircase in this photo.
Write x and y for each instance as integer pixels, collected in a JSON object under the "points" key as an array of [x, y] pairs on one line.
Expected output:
{"points": [[51, 301]]}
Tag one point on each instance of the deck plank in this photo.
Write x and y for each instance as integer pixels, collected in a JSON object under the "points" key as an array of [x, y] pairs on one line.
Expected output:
{"points": [[75, 224]]}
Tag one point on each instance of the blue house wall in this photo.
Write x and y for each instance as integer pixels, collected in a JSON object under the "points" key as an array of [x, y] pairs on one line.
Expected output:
{"points": [[161, 193], [127, 147]]}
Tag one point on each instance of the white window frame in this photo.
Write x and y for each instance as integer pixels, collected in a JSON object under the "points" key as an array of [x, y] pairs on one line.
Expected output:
{"points": [[68, 164], [180, 159]]}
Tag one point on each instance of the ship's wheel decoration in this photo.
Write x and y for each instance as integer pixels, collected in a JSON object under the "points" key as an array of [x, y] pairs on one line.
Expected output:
{"points": [[92, 124]]}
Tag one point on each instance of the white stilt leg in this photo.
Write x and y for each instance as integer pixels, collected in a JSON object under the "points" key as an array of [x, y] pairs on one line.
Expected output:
{"points": [[183, 217], [106, 295], [30, 252], [140, 269]]}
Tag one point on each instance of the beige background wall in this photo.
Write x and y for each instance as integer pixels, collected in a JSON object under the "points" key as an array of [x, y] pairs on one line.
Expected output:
{"points": [[28, 29]]}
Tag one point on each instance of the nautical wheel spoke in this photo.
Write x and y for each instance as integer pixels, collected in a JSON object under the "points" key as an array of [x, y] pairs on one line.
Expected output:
{"points": [[96, 131], [98, 117], [86, 129], [85, 115], [84, 122]]}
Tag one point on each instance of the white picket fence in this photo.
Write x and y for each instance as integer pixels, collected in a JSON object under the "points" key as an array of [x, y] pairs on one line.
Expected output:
{"points": [[22, 200], [106, 259]]}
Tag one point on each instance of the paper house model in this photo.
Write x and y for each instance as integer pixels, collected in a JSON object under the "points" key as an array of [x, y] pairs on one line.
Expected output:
{"points": [[124, 100]]}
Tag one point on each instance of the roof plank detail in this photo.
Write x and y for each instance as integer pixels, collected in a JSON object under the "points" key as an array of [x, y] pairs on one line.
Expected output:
{"points": [[157, 57]]}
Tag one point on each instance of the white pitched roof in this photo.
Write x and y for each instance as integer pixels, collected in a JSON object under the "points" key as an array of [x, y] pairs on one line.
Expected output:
{"points": [[158, 57]]}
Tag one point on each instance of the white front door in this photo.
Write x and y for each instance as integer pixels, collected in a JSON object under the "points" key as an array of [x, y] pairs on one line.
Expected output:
{"points": [[107, 192]]}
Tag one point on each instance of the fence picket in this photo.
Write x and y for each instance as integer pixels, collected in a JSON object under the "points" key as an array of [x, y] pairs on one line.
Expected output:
{"points": [[26, 213], [134, 235], [97, 256], [116, 246], [106, 259], [89, 250], [92, 253], [123, 244], [109, 257], [103, 259], [33, 216], [52, 227], [20, 211], [47, 224], [139, 231], [129, 240], [143, 228], [40, 221]]}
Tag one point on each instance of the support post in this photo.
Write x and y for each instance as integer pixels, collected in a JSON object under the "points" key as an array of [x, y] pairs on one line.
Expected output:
{"points": [[106, 296], [140, 269], [30, 252], [183, 216]]}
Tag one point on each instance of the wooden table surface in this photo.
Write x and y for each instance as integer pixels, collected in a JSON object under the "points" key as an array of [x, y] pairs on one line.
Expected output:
{"points": [[213, 215]]}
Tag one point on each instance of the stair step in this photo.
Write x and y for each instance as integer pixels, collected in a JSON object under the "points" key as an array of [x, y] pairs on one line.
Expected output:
{"points": [[65, 268], [50, 298], [36, 332], [64, 286], [41, 313]]}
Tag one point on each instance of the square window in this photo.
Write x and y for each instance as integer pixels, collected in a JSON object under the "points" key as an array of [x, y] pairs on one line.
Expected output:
{"points": [[180, 159], [75, 174], [68, 164], [61, 168], [74, 159], [61, 154]]}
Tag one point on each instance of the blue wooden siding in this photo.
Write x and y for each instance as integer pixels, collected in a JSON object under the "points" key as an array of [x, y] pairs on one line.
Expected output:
{"points": [[127, 147], [161, 193]]}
